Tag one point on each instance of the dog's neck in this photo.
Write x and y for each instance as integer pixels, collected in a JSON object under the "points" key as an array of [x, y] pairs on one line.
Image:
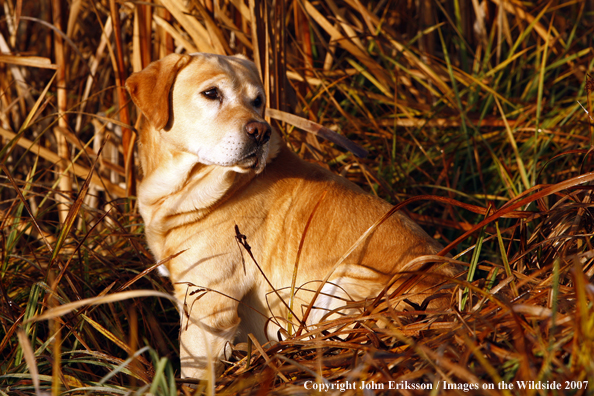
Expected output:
{"points": [[173, 174], [177, 189]]}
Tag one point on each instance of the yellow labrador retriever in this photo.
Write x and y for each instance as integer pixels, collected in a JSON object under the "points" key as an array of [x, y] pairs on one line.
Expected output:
{"points": [[212, 165]]}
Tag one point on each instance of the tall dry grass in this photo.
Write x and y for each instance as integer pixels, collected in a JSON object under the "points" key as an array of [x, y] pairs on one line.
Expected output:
{"points": [[476, 117]]}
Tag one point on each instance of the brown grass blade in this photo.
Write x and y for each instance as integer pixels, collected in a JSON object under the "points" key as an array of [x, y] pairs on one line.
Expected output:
{"points": [[32, 61], [317, 130], [30, 360], [74, 168], [197, 32], [515, 204], [175, 34], [62, 310], [372, 66], [267, 358], [216, 37], [127, 136], [65, 183], [516, 8]]}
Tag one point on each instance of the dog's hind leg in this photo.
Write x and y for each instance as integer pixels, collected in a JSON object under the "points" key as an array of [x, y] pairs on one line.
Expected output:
{"points": [[338, 298]]}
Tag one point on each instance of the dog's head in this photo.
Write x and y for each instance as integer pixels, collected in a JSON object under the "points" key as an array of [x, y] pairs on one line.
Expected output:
{"points": [[208, 105]]}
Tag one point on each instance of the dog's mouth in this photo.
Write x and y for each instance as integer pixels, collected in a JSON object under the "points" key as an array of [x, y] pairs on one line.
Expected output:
{"points": [[254, 160], [250, 160]]}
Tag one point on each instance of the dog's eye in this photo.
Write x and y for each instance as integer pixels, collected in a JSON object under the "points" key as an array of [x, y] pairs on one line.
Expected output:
{"points": [[257, 102], [212, 94]]}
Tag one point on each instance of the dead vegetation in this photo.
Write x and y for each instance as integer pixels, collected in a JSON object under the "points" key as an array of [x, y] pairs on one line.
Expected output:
{"points": [[476, 119]]}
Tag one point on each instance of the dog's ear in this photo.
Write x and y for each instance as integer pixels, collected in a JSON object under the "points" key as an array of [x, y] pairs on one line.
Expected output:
{"points": [[150, 87]]}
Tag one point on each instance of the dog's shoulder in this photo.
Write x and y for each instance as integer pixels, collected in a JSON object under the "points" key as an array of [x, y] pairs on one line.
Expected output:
{"points": [[289, 168]]}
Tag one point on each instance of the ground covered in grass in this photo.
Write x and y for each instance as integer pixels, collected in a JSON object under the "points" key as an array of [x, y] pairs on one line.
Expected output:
{"points": [[476, 117]]}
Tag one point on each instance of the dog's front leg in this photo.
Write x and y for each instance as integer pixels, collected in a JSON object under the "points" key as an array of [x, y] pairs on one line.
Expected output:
{"points": [[208, 324]]}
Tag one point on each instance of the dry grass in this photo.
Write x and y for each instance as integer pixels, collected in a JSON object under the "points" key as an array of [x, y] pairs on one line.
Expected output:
{"points": [[471, 108]]}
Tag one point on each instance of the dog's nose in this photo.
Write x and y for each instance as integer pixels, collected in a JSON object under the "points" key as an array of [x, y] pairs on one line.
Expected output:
{"points": [[259, 131]]}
